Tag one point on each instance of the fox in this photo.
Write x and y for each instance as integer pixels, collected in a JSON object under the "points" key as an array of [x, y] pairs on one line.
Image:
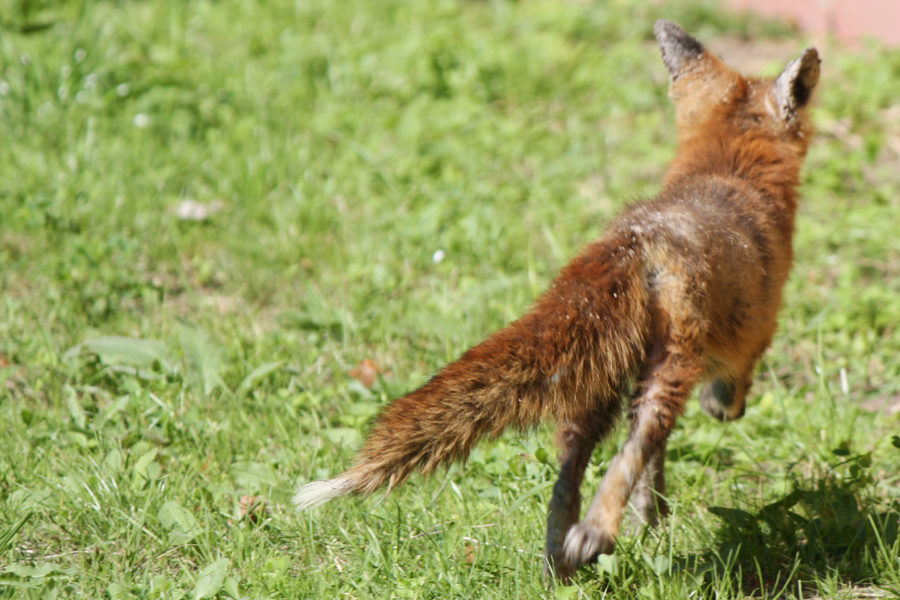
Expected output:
{"points": [[682, 289]]}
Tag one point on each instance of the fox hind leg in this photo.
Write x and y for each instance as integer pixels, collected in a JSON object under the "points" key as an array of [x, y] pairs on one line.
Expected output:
{"points": [[663, 393], [649, 496], [576, 440]]}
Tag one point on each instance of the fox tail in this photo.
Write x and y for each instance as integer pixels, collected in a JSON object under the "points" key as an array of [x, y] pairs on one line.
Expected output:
{"points": [[574, 351]]}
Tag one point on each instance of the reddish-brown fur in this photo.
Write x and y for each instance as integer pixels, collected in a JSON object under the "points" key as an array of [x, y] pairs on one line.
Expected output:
{"points": [[568, 356], [683, 288]]}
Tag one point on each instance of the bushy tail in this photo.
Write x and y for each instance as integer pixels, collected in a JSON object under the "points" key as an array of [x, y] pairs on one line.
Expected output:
{"points": [[574, 351]]}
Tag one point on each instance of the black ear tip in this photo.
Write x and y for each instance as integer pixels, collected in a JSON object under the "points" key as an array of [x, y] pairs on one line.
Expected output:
{"points": [[671, 35], [810, 56], [664, 28], [810, 67], [676, 44], [660, 24]]}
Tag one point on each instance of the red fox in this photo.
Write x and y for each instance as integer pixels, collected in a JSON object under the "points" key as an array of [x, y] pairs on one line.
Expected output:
{"points": [[681, 289]]}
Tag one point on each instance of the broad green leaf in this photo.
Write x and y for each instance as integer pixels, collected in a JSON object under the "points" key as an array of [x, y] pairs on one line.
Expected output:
{"points": [[661, 564], [608, 563], [202, 357], [565, 592], [117, 350], [160, 586], [26, 500], [180, 523], [343, 436], [117, 591], [140, 471], [37, 571], [114, 461], [253, 476], [211, 578], [231, 588], [79, 439]]}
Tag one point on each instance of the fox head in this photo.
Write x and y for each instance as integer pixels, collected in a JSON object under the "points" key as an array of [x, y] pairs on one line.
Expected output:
{"points": [[706, 93]]}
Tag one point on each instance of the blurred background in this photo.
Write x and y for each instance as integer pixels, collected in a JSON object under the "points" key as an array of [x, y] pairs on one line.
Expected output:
{"points": [[850, 21]]}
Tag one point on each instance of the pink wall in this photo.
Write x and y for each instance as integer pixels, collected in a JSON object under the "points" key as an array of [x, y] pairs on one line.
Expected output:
{"points": [[849, 20]]}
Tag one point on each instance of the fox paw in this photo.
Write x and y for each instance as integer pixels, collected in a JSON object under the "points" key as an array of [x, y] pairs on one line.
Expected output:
{"points": [[718, 401], [583, 543]]}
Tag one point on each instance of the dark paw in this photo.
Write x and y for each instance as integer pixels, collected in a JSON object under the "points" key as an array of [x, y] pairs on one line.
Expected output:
{"points": [[718, 401], [557, 567]]}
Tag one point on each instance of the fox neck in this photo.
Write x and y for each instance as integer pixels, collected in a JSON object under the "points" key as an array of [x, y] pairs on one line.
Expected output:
{"points": [[757, 157]]}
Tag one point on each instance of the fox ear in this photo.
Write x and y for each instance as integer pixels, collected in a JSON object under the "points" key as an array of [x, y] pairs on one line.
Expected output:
{"points": [[677, 46], [793, 88]]}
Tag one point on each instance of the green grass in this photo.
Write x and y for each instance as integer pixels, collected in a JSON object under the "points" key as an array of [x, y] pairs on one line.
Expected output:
{"points": [[161, 377]]}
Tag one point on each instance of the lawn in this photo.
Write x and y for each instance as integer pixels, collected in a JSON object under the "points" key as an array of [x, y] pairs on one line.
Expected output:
{"points": [[232, 230]]}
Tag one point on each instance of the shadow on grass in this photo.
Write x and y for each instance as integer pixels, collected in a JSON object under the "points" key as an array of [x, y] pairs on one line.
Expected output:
{"points": [[827, 528]]}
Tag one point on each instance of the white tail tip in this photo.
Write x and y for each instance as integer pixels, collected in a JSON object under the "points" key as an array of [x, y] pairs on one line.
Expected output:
{"points": [[319, 492]]}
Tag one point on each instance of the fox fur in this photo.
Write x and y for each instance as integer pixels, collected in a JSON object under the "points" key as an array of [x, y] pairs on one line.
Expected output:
{"points": [[682, 289]]}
